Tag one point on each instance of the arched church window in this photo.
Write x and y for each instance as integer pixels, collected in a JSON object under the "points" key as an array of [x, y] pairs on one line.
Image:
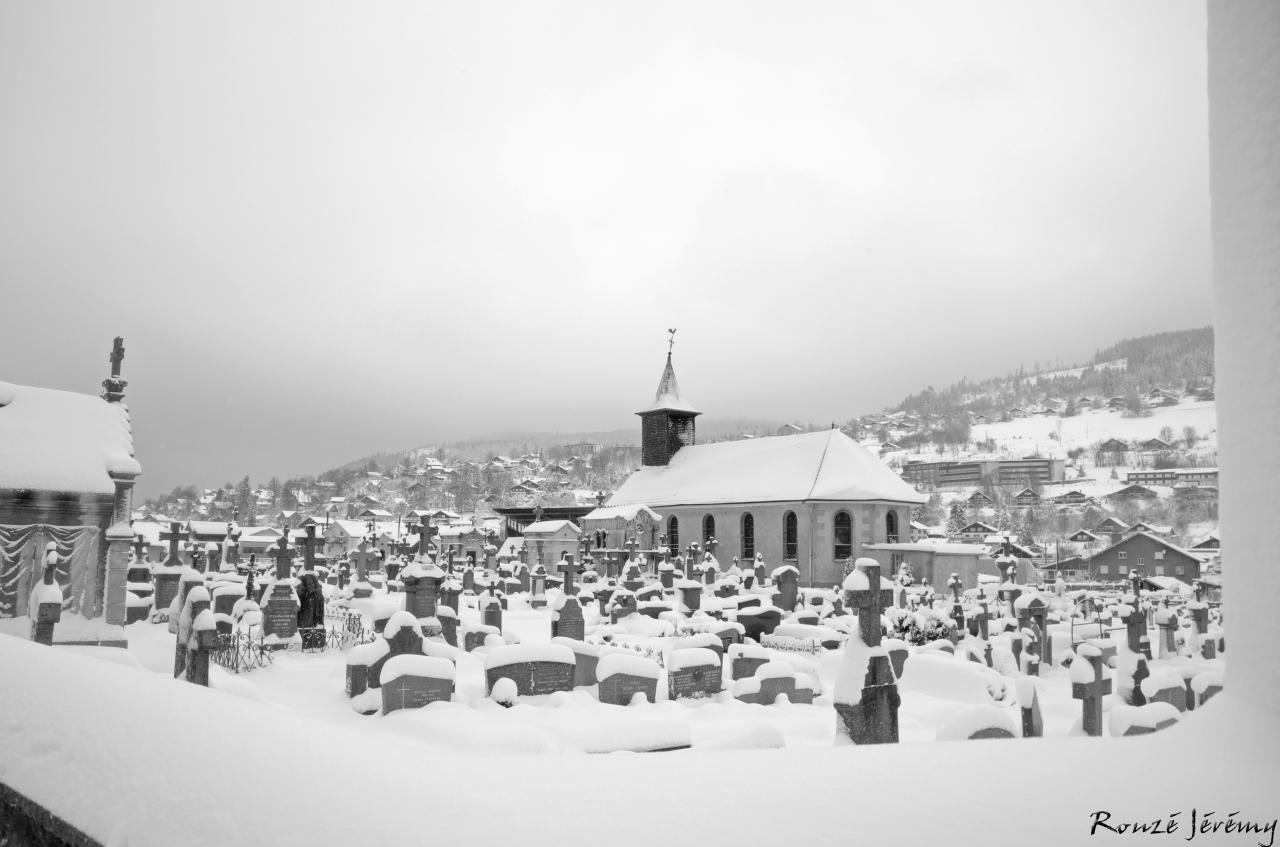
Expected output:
{"points": [[790, 536], [748, 537], [673, 535], [708, 528], [843, 548], [891, 527]]}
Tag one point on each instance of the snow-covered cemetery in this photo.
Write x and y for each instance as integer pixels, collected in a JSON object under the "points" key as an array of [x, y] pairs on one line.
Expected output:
{"points": [[709, 424]]}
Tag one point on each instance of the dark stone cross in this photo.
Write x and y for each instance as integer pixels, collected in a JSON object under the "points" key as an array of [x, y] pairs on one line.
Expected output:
{"points": [[1090, 694], [113, 386], [283, 555], [870, 603], [569, 569], [174, 537], [117, 356], [361, 557], [140, 548], [309, 548], [874, 718]]}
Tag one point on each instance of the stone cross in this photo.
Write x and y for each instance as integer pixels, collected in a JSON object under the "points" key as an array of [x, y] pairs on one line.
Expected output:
{"points": [[870, 603], [362, 556], [140, 548], [283, 555], [1090, 694], [309, 548], [537, 514], [174, 537], [117, 356], [1136, 579], [569, 568]]}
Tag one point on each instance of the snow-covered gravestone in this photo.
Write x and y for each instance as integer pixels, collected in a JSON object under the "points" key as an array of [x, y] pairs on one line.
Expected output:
{"points": [[957, 610], [165, 577], [623, 676], [866, 693], [566, 621], [411, 682], [310, 596], [45, 601], [1089, 687], [538, 575], [422, 582], [534, 668], [744, 659], [280, 609], [361, 588], [138, 583], [693, 672], [978, 722]]}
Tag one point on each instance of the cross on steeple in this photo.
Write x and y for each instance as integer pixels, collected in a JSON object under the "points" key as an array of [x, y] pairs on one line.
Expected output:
{"points": [[671, 342]]}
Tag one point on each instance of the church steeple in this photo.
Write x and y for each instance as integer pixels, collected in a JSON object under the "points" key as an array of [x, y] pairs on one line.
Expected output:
{"points": [[666, 423]]}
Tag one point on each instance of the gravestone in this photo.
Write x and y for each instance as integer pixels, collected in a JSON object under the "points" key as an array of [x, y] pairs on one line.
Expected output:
{"points": [[693, 672], [280, 611], [623, 676], [758, 622], [46, 600], [411, 682], [535, 670], [874, 718], [310, 597], [402, 637], [691, 595], [362, 558], [491, 612], [786, 579], [1089, 687], [1032, 721], [569, 623]]}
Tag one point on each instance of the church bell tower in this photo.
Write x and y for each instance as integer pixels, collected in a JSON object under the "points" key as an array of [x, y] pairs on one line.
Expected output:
{"points": [[667, 423]]}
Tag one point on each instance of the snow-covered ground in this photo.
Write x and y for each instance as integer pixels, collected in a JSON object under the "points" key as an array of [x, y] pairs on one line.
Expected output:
{"points": [[1025, 436]]}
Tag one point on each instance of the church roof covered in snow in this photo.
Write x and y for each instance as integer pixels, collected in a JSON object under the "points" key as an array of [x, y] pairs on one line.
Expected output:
{"points": [[824, 465], [628, 512], [668, 396], [62, 441]]}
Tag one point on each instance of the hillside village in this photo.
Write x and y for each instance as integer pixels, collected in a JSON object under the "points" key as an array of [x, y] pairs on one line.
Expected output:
{"points": [[1048, 466]]}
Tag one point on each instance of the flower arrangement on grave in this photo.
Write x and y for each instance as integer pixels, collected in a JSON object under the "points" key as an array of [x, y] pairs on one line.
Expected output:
{"points": [[920, 626]]}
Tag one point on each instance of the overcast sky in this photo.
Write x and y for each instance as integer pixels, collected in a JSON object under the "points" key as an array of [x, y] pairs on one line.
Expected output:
{"points": [[327, 229]]}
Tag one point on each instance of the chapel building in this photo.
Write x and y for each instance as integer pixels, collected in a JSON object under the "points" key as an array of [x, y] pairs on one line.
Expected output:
{"points": [[811, 500]]}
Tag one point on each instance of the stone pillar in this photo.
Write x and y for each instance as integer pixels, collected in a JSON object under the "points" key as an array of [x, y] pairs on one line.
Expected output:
{"points": [[119, 539]]}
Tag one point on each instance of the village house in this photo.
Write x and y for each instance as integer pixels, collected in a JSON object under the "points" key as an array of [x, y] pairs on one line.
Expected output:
{"points": [[1149, 556]]}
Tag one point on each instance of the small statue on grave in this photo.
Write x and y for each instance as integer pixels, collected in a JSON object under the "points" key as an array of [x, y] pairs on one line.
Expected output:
{"points": [[311, 600]]}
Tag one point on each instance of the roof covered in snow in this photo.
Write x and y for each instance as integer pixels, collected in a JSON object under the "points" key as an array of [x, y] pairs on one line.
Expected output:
{"points": [[668, 396], [627, 513], [62, 441], [551, 527], [824, 465]]}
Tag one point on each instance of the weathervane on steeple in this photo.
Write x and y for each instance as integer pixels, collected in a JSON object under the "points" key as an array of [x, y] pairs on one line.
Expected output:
{"points": [[671, 342]]}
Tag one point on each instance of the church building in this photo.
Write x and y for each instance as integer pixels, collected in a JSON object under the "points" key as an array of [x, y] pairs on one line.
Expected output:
{"points": [[811, 500]]}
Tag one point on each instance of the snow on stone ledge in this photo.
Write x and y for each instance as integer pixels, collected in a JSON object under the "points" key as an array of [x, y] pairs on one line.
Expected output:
{"points": [[615, 663], [410, 665], [692, 657]]}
